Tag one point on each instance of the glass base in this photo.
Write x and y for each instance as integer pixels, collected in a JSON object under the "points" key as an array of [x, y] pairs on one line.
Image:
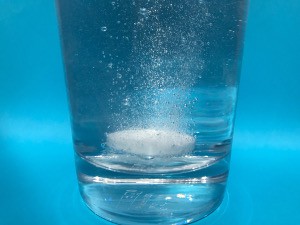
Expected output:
{"points": [[153, 203]]}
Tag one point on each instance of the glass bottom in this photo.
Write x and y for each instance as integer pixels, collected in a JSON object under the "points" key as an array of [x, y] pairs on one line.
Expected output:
{"points": [[151, 198], [152, 204]]}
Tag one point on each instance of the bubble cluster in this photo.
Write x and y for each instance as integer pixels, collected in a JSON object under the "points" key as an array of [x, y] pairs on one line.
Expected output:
{"points": [[145, 12], [169, 51]]}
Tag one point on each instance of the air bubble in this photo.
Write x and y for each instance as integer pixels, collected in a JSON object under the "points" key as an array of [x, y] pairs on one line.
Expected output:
{"points": [[145, 12], [126, 101], [119, 75], [103, 29]]}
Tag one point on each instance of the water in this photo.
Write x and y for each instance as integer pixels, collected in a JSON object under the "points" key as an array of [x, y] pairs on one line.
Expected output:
{"points": [[152, 89], [146, 174]]}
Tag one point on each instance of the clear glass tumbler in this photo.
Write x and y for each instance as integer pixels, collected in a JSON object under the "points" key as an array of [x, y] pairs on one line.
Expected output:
{"points": [[152, 86]]}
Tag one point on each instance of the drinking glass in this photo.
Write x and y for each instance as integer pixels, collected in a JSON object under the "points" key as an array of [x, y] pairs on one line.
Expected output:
{"points": [[152, 88]]}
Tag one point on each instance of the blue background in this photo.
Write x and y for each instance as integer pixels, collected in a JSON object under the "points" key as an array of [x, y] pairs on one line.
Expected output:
{"points": [[37, 176]]}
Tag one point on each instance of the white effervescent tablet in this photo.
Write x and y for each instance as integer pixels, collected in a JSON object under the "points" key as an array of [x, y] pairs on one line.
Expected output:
{"points": [[151, 142]]}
